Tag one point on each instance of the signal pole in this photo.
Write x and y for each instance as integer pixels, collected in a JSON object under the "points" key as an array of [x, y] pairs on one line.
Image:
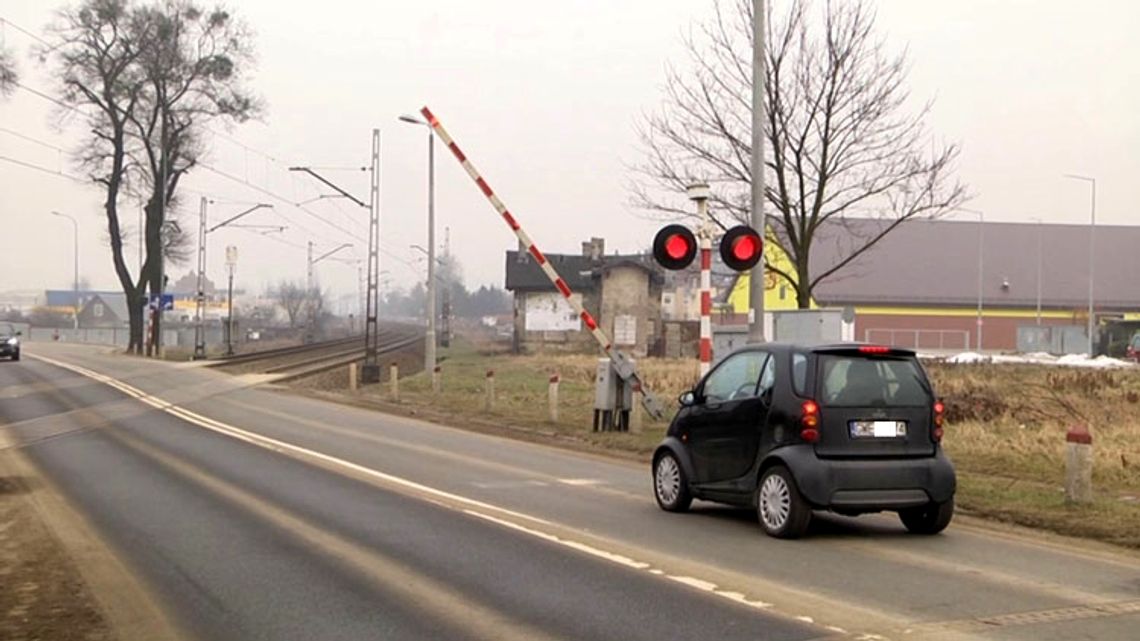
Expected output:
{"points": [[756, 276], [699, 193]]}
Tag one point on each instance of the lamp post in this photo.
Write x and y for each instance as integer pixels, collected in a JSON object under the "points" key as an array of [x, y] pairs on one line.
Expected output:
{"points": [[429, 339], [1092, 250], [75, 263], [1040, 225], [981, 267]]}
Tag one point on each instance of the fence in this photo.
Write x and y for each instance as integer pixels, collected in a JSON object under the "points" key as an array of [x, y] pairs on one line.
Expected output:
{"points": [[114, 336], [932, 339]]}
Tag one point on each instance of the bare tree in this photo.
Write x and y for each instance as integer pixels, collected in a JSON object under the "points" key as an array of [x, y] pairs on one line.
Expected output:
{"points": [[95, 59], [193, 64], [293, 298], [843, 140], [145, 80], [8, 75]]}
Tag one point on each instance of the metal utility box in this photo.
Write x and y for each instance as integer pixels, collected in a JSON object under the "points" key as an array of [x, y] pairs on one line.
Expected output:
{"points": [[813, 326], [613, 398]]}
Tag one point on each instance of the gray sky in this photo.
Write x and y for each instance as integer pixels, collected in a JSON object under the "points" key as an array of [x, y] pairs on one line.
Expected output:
{"points": [[543, 97]]}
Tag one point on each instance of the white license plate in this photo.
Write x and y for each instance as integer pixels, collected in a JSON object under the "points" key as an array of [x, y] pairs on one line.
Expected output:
{"points": [[878, 429]]}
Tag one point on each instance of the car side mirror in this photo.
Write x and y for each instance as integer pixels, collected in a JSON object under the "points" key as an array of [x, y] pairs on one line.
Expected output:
{"points": [[19, 333], [688, 399]]}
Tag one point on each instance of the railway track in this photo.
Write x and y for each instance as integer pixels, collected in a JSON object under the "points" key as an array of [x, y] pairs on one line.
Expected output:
{"points": [[299, 361]]}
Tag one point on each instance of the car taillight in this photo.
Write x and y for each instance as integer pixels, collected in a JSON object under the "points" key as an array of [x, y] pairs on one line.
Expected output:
{"points": [[809, 421], [873, 349], [939, 410]]}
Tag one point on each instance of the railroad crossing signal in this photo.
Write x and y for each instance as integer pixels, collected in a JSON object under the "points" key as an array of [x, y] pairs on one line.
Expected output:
{"points": [[675, 247]]}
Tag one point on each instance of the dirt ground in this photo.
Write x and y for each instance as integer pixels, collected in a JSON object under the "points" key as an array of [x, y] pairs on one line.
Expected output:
{"points": [[42, 596]]}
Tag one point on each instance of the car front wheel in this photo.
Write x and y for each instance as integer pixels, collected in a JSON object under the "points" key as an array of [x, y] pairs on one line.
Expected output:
{"points": [[670, 486], [783, 512], [931, 518]]}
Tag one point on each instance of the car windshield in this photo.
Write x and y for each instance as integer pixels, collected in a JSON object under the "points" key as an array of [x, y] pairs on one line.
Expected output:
{"points": [[7, 330], [855, 381]]}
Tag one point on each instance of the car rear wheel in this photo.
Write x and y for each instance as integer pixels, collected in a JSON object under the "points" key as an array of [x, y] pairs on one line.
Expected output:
{"points": [[670, 486], [931, 518], [783, 512]]}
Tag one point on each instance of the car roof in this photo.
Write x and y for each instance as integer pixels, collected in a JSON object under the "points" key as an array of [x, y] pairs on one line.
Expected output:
{"points": [[778, 346]]}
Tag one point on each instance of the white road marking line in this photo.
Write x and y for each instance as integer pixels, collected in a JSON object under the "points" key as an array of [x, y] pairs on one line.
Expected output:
{"points": [[581, 482]]}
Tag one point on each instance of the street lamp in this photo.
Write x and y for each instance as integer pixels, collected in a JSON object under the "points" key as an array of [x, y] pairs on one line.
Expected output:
{"points": [[1092, 249], [75, 262], [981, 265], [429, 339]]}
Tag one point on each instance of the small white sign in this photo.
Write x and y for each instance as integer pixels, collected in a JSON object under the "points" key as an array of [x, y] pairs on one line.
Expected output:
{"points": [[625, 330]]}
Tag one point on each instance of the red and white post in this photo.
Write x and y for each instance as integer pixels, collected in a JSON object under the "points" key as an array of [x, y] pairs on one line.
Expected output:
{"points": [[699, 193]]}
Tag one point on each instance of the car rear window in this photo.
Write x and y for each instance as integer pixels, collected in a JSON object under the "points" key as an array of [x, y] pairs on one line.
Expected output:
{"points": [[859, 381]]}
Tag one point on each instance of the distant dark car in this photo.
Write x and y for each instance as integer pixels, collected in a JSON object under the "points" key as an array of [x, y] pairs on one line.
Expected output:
{"points": [[9, 341], [786, 429], [1132, 352]]}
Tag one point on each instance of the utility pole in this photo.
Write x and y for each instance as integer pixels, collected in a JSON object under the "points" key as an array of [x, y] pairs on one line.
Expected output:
{"points": [[445, 329], [312, 290], [370, 373], [200, 321], [756, 277], [231, 265]]}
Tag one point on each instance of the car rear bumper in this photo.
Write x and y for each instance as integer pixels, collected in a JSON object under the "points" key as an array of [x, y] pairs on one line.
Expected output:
{"points": [[868, 484]]}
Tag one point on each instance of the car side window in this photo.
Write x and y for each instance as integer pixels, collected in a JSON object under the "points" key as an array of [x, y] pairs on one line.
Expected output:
{"points": [[735, 378], [799, 374]]}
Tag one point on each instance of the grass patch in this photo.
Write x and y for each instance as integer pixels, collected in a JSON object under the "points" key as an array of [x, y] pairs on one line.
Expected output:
{"points": [[1005, 426]]}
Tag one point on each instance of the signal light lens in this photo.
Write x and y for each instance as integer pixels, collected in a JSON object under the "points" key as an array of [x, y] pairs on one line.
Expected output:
{"points": [[741, 248], [874, 349], [674, 247]]}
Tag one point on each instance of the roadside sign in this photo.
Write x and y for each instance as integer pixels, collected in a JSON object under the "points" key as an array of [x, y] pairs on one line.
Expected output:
{"points": [[167, 302]]}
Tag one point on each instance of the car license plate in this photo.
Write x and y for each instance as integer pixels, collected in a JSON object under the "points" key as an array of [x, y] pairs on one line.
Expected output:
{"points": [[878, 429]]}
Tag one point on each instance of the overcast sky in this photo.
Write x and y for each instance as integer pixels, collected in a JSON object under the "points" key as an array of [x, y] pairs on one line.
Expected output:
{"points": [[544, 97]]}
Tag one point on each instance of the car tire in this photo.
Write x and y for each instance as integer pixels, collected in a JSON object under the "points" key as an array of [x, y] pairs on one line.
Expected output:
{"points": [[931, 518], [670, 485], [781, 509]]}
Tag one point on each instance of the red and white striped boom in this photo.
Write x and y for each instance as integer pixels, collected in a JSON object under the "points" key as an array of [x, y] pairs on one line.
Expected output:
{"points": [[622, 364]]}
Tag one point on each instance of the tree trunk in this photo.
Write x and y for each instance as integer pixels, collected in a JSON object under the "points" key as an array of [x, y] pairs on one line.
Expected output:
{"points": [[153, 275], [138, 322], [803, 289]]}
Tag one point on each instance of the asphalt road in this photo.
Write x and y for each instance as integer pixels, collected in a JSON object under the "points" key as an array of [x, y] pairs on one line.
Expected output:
{"points": [[253, 514]]}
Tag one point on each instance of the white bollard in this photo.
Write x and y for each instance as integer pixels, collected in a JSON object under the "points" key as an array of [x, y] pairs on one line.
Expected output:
{"points": [[353, 382], [394, 382], [489, 400], [1078, 465]]}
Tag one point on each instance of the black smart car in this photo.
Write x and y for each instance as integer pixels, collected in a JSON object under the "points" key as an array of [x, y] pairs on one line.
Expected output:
{"points": [[787, 429]]}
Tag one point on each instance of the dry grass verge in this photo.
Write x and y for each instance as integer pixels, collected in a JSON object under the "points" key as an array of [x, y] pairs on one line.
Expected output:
{"points": [[1005, 429]]}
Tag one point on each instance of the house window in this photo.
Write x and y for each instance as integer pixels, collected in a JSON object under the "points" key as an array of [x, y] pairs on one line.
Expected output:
{"points": [[97, 310], [783, 292]]}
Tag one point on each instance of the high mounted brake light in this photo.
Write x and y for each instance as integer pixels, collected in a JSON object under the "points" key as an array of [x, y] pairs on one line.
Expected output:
{"points": [[874, 349]]}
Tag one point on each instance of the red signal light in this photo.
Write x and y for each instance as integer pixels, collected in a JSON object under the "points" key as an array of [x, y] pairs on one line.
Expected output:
{"points": [[674, 247], [741, 248], [874, 349]]}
